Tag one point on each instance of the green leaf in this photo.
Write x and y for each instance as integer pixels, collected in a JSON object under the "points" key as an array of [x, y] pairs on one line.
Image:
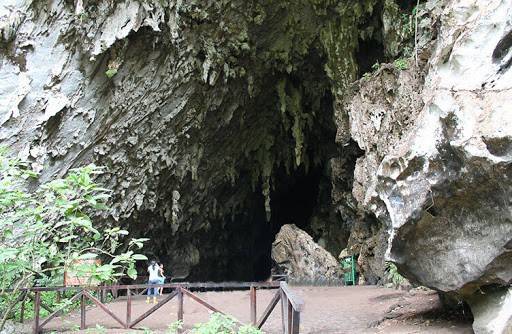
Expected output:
{"points": [[7, 233], [8, 253], [67, 238], [132, 273], [110, 73], [139, 257], [88, 256]]}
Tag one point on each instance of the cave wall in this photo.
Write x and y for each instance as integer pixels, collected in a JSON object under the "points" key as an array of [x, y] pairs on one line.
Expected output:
{"points": [[436, 166], [436, 169], [193, 106], [201, 110]]}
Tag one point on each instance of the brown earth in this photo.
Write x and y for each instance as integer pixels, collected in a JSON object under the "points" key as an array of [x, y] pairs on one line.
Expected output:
{"points": [[359, 309]]}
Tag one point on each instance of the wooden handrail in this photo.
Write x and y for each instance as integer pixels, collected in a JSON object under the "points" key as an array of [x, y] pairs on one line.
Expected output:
{"points": [[291, 304], [56, 313], [269, 309], [153, 309], [189, 286], [296, 301]]}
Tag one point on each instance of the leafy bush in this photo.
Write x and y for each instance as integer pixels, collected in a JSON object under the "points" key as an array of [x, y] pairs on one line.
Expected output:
{"points": [[223, 324], [111, 72], [393, 274], [175, 327], [48, 231], [401, 64]]}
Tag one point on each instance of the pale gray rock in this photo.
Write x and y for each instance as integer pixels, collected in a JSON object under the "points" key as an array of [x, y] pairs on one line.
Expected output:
{"points": [[12, 327], [193, 107], [492, 310], [296, 254], [437, 164]]}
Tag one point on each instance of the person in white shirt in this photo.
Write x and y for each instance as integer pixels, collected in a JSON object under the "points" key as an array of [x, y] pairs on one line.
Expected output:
{"points": [[154, 278]]}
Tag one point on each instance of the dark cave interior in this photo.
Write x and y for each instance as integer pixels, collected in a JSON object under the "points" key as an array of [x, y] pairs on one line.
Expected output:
{"points": [[247, 239], [237, 247]]}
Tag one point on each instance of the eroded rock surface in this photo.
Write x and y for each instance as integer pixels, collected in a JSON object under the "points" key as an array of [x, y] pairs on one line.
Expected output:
{"points": [[437, 161], [492, 310], [197, 108], [206, 112], [444, 186], [297, 255]]}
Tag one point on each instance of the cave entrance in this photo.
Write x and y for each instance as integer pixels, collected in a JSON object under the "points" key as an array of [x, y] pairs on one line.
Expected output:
{"points": [[292, 125], [295, 198], [293, 201], [240, 249]]}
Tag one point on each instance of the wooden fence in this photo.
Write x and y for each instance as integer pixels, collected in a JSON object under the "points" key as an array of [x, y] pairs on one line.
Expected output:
{"points": [[291, 304]]}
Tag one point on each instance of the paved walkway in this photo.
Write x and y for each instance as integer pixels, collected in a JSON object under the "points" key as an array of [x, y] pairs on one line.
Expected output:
{"points": [[360, 309]]}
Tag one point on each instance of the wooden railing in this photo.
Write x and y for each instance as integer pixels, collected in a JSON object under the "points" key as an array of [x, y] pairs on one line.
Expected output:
{"points": [[291, 307], [291, 304]]}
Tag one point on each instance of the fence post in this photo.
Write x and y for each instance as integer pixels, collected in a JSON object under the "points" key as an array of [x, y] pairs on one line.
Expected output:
{"points": [[180, 304], [128, 308], [295, 322], [102, 292], [22, 311], [289, 318], [253, 305], [82, 311], [284, 311], [37, 306]]}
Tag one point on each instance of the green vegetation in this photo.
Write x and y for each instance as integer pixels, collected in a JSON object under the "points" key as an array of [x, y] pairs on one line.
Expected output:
{"points": [[223, 324], [111, 72], [393, 274], [175, 327], [401, 64], [47, 230], [98, 329], [218, 324]]}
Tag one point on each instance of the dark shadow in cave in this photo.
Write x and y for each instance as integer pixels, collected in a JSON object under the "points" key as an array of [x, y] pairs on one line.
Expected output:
{"points": [[246, 240], [293, 201], [369, 53], [295, 198], [238, 248]]}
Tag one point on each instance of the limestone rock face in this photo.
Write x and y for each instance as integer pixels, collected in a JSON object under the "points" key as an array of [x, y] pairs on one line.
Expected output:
{"points": [[297, 255], [438, 151], [191, 105], [199, 108], [493, 314]]}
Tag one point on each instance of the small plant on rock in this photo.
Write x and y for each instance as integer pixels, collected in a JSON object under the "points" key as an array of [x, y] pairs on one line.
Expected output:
{"points": [[401, 64], [393, 275]]}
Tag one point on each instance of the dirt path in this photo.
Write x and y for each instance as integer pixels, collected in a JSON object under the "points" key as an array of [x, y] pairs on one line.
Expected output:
{"points": [[360, 309]]}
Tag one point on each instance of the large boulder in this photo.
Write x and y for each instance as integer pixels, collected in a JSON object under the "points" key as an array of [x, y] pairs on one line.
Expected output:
{"points": [[437, 165], [493, 313], [297, 255]]}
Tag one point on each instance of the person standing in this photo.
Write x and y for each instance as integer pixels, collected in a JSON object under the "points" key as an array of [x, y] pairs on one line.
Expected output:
{"points": [[161, 277], [154, 278]]}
